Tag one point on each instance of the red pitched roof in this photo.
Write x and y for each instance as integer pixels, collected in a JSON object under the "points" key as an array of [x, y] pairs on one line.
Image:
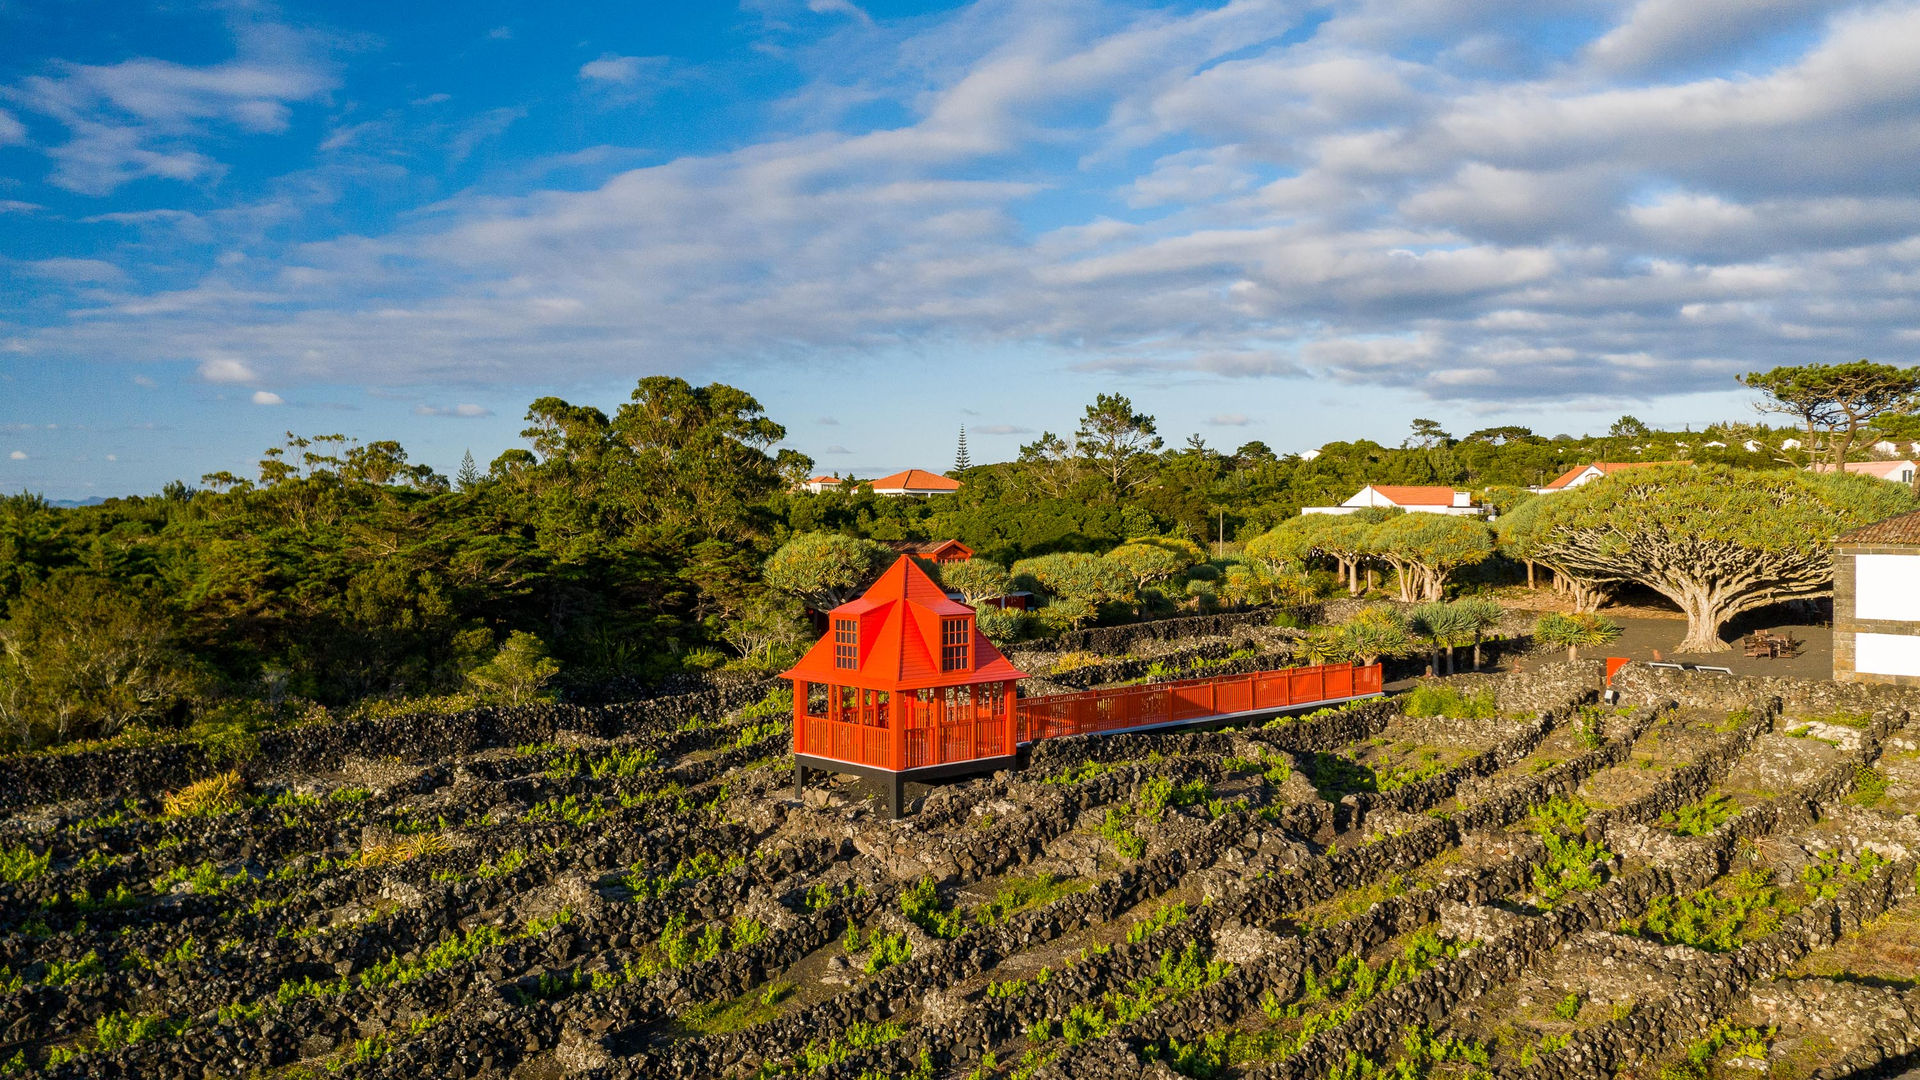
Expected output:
{"points": [[915, 480], [933, 549], [1901, 529], [899, 621], [1605, 468], [1415, 495], [823, 480]]}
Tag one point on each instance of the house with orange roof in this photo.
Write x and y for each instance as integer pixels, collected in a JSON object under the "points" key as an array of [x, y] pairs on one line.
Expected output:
{"points": [[1586, 474], [933, 551], [817, 484], [1898, 472], [1414, 499], [916, 482]]}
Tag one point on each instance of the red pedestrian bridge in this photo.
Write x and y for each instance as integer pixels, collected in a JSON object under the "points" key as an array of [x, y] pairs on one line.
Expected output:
{"points": [[905, 687]]}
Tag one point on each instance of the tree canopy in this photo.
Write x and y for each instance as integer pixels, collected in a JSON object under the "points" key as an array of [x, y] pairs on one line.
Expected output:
{"points": [[1715, 541]]}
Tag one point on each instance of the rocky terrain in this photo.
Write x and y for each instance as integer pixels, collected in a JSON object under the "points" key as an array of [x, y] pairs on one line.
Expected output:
{"points": [[1710, 878]]}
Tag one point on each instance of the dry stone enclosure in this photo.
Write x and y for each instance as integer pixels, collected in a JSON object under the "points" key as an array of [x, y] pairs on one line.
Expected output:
{"points": [[1712, 878]]}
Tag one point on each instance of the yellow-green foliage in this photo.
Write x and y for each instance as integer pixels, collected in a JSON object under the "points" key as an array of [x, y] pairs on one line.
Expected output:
{"points": [[214, 795]]}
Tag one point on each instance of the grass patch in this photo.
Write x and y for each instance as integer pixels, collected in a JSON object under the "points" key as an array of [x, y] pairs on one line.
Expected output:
{"points": [[749, 1009], [1427, 701], [1702, 817]]}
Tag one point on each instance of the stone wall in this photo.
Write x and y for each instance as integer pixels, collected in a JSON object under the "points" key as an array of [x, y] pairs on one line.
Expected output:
{"points": [[30, 779], [1638, 683]]}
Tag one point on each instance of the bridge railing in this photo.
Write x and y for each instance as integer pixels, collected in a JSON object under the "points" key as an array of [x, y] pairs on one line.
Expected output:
{"points": [[1190, 700]]}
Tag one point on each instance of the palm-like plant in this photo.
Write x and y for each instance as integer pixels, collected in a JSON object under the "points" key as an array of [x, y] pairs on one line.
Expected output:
{"points": [[1483, 615], [1443, 626], [1574, 631]]}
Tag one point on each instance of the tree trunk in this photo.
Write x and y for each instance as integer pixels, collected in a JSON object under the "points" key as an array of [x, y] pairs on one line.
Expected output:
{"points": [[1573, 653], [1530, 561], [1703, 623], [1449, 659], [1370, 577], [1476, 653]]}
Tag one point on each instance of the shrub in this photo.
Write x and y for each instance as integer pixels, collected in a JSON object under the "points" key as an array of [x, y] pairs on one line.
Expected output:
{"points": [[1430, 700], [214, 795], [18, 864]]}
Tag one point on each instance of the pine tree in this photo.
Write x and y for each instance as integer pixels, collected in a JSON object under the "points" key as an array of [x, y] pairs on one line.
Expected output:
{"points": [[960, 459], [469, 475]]}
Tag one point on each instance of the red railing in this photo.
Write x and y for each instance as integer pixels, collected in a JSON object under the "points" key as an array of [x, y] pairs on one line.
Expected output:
{"points": [[934, 736], [1191, 700]]}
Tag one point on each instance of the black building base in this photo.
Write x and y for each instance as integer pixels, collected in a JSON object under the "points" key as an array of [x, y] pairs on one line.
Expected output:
{"points": [[895, 783]]}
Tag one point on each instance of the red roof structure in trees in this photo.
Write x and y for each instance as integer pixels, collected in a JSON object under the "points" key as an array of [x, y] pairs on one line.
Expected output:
{"points": [[899, 626]]}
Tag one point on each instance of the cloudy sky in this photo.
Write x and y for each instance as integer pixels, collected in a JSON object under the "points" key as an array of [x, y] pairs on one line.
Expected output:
{"points": [[1286, 221]]}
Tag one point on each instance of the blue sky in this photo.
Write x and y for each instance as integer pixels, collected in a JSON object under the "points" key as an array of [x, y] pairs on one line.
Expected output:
{"points": [[1286, 221]]}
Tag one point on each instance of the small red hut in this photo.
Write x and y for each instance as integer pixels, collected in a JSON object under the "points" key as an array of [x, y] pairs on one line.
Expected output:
{"points": [[903, 686]]}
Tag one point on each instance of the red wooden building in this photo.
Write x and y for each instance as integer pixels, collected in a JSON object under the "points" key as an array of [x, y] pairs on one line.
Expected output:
{"points": [[905, 687]]}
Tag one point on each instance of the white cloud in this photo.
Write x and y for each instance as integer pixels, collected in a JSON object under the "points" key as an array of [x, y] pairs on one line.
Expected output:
{"points": [[838, 7], [1002, 429], [145, 382], [74, 271], [11, 129], [18, 206], [267, 397], [1154, 192], [487, 126], [226, 369], [17, 455], [1230, 419], [836, 449], [1664, 32], [144, 117], [612, 68], [464, 411]]}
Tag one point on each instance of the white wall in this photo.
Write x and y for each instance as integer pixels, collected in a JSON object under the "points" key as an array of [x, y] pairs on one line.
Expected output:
{"points": [[1887, 587], [1886, 654]]}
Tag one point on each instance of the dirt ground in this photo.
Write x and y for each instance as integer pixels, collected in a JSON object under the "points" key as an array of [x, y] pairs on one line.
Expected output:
{"points": [[1652, 628]]}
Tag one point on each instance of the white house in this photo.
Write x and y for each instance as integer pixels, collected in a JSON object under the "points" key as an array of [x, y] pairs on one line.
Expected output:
{"points": [[1309, 455], [1411, 498], [817, 484], [1789, 444], [1876, 603], [1585, 474], [1898, 472]]}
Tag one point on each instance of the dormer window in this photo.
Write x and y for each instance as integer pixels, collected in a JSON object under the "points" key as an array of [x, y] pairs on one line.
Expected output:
{"points": [[954, 640], [846, 644]]}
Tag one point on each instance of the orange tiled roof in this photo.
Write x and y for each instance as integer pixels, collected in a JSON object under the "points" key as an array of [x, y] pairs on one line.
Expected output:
{"points": [[1415, 494], [915, 480]]}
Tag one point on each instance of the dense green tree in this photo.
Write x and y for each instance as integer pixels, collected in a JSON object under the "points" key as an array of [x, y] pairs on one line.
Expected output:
{"points": [[1117, 443], [1426, 549], [1072, 575], [518, 673], [976, 580], [825, 570], [1713, 540], [1837, 399], [84, 657]]}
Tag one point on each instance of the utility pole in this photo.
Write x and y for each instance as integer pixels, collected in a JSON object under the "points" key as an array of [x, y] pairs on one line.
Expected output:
{"points": [[1220, 544]]}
